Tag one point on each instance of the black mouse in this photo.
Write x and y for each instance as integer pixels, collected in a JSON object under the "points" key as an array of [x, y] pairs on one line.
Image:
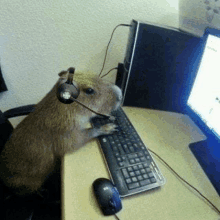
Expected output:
{"points": [[107, 196]]}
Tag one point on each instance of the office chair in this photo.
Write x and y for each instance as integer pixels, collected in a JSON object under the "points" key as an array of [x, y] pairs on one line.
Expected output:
{"points": [[34, 207]]}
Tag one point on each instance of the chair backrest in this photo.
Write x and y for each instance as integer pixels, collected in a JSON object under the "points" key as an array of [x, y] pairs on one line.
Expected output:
{"points": [[6, 129]]}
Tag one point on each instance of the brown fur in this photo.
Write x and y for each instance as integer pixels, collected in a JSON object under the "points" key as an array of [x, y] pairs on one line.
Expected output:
{"points": [[51, 131]]}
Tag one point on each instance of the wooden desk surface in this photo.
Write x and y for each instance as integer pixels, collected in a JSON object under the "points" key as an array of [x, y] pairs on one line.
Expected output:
{"points": [[169, 135]]}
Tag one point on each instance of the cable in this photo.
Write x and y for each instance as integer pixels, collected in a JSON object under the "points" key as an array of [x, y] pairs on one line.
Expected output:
{"points": [[110, 71], [216, 209], [116, 217], [97, 113], [127, 25]]}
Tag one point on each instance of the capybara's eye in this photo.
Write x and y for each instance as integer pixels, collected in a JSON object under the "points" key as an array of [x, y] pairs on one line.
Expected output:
{"points": [[89, 91]]}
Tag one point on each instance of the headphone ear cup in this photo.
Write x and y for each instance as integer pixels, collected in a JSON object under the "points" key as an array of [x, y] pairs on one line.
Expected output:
{"points": [[65, 91]]}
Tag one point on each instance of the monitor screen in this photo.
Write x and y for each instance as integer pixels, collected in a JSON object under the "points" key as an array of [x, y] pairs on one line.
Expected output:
{"points": [[204, 98]]}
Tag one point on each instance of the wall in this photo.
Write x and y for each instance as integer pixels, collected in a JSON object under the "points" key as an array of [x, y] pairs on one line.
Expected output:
{"points": [[38, 39], [197, 15]]}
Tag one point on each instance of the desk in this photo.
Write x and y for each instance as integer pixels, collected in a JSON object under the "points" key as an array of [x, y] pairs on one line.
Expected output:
{"points": [[169, 135]]}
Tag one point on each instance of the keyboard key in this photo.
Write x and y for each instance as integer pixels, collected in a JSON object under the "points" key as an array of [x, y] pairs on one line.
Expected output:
{"points": [[119, 159], [145, 176], [121, 164], [128, 180], [104, 140], [130, 169], [153, 180], [145, 182], [139, 178], [137, 160], [132, 161], [137, 172], [126, 150], [117, 154], [143, 171], [134, 179], [145, 165], [150, 174], [133, 185], [132, 174], [140, 154], [132, 156], [148, 169], [110, 138], [131, 149], [115, 149], [125, 147], [140, 166], [125, 173], [135, 167], [143, 159]]}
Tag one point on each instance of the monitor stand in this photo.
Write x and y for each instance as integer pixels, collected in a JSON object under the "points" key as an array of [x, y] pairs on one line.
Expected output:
{"points": [[208, 153]]}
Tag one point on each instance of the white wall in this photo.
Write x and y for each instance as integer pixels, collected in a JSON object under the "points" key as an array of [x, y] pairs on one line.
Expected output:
{"points": [[38, 39], [197, 15]]}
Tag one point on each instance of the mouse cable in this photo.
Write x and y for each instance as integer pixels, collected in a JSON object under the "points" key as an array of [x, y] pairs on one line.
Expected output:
{"points": [[216, 209], [126, 25]]}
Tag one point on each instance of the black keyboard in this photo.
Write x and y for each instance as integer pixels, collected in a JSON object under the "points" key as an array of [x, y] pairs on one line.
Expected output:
{"points": [[130, 164]]}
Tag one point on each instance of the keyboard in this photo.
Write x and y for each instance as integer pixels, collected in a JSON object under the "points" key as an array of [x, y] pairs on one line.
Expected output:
{"points": [[130, 164]]}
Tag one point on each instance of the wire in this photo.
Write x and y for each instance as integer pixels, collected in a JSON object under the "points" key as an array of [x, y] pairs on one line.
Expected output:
{"points": [[97, 113], [127, 25], [216, 209], [117, 217], [110, 71]]}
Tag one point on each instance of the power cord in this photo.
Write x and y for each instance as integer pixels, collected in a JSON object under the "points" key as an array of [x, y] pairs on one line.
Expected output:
{"points": [[216, 209], [116, 217], [126, 25], [115, 68]]}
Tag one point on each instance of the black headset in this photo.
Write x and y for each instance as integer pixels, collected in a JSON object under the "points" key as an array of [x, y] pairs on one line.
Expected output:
{"points": [[68, 92]]}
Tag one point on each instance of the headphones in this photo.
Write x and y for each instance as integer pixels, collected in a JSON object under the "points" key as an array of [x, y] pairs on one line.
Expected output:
{"points": [[68, 92]]}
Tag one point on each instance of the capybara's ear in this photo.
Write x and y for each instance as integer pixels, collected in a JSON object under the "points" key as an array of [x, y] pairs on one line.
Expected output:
{"points": [[63, 74]]}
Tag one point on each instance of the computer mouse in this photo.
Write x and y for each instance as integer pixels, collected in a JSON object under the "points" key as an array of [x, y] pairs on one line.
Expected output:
{"points": [[107, 196]]}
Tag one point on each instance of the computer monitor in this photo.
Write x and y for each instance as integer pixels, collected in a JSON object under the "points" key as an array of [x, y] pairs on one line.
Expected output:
{"points": [[203, 106]]}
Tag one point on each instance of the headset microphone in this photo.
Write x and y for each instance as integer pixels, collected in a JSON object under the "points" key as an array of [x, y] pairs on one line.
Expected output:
{"points": [[68, 92]]}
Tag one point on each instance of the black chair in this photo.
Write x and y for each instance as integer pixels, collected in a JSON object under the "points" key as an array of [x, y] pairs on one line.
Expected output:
{"points": [[34, 207]]}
